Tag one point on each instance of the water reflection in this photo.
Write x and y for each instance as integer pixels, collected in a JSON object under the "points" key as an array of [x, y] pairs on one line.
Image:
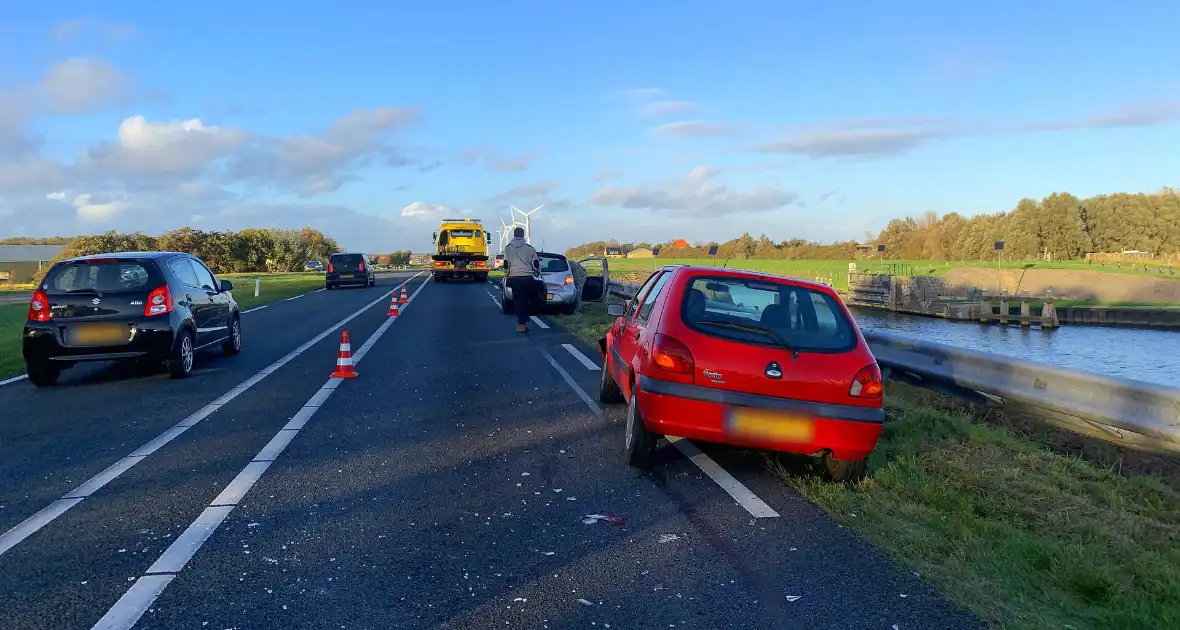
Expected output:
{"points": [[1146, 355]]}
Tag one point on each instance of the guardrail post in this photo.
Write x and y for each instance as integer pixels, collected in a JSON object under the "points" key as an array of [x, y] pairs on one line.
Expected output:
{"points": [[257, 286]]}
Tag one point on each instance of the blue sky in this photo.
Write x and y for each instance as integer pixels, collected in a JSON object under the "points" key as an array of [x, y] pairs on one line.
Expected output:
{"points": [[372, 120]]}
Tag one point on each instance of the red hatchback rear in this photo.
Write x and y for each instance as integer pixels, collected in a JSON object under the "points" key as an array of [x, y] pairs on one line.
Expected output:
{"points": [[747, 359]]}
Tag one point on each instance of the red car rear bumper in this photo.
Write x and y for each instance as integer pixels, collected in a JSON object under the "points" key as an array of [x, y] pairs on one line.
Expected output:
{"points": [[698, 413]]}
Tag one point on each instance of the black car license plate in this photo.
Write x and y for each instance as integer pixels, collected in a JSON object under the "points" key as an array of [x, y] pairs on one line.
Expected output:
{"points": [[99, 334]]}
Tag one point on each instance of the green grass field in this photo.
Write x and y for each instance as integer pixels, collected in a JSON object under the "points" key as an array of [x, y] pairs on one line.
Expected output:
{"points": [[274, 287], [1023, 537]]}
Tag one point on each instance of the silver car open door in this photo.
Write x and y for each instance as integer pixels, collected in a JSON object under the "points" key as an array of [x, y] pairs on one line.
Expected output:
{"points": [[596, 287]]}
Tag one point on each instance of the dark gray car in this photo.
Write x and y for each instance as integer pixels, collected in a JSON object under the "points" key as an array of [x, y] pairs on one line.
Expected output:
{"points": [[350, 268]]}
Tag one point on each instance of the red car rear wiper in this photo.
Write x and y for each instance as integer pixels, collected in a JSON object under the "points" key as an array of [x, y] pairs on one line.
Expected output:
{"points": [[778, 339]]}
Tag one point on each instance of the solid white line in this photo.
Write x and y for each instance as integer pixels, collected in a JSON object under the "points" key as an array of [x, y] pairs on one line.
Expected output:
{"points": [[12, 537], [130, 607], [188, 542], [301, 417], [295, 298], [13, 380], [320, 290], [736, 489], [256, 308], [538, 322], [583, 359], [31, 525]]}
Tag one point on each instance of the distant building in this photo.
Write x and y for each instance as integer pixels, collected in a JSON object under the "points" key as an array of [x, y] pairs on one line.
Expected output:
{"points": [[642, 252], [613, 252], [19, 263]]}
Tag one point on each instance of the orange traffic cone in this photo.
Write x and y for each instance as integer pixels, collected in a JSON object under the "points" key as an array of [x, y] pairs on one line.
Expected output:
{"points": [[404, 299], [344, 361], [393, 312]]}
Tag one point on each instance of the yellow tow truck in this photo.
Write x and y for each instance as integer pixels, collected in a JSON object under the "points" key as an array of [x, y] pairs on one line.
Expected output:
{"points": [[461, 250]]}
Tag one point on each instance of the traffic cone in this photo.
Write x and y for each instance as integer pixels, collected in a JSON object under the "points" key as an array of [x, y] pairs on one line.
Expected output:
{"points": [[344, 361], [404, 299], [393, 312]]}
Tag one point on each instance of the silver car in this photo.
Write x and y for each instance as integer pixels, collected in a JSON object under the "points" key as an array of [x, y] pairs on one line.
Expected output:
{"points": [[560, 290]]}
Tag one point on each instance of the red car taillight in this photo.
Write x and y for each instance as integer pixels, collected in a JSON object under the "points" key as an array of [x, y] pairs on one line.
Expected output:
{"points": [[362, 267], [670, 355], [331, 268], [481, 263], [440, 264], [39, 307], [867, 383], [159, 302]]}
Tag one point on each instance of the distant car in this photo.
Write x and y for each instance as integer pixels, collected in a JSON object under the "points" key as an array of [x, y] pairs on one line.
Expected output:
{"points": [[498, 262], [154, 306], [560, 291], [350, 268], [747, 359], [313, 265]]}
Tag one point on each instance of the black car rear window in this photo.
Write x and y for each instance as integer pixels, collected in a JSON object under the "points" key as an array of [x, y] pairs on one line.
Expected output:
{"points": [[102, 276], [347, 259], [763, 312]]}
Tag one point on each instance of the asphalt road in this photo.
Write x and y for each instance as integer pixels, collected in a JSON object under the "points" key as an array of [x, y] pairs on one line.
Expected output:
{"points": [[447, 486]]}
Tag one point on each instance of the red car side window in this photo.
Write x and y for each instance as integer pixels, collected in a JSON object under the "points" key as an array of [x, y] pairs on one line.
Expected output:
{"points": [[649, 301], [641, 294]]}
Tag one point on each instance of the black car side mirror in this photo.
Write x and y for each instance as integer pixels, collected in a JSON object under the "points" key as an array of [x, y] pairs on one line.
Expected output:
{"points": [[226, 286]]}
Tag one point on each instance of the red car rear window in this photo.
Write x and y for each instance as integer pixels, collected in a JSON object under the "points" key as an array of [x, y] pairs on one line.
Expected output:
{"points": [[764, 312]]}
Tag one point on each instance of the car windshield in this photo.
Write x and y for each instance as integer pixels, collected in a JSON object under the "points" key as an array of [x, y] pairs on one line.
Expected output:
{"points": [[740, 309], [100, 277], [554, 265]]}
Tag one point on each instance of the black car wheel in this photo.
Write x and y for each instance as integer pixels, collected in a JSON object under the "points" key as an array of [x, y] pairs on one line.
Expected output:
{"points": [[233, 344], [180, 362], [43, 374], [639, 442], [609, 392]]}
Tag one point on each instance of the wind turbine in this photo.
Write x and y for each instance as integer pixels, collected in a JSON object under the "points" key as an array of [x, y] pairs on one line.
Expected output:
{"points": [[528, 222]]}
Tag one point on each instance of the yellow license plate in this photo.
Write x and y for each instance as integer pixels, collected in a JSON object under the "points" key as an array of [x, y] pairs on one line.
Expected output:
{"points": [[101, 334], [769, 425]]}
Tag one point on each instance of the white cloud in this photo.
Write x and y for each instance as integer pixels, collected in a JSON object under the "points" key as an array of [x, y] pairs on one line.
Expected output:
{"points": [[494, 161], [698, 196], [110, 31], [91, 211], [420, 210], [145, 152], [607, 174], [685, 129], [669, 108], [79, 85]]}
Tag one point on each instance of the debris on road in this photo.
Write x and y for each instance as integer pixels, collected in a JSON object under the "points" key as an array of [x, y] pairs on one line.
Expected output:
{"points": [[794, 598], [585, 602], [591, 519], [667, 538]]}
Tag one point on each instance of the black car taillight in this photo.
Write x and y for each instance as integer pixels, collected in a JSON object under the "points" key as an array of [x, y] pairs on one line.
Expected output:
{"points": [[39, 307]]}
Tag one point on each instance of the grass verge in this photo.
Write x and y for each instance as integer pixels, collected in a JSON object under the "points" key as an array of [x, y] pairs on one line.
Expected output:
{"points": [[274, 287], [1002, 524]]}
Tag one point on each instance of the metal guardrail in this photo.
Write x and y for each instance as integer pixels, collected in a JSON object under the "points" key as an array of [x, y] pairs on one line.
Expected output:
{"points": [[1125, 412]]}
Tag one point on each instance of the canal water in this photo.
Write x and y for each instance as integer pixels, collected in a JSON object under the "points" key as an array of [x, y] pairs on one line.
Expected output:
{"points": [[1141, 354]]}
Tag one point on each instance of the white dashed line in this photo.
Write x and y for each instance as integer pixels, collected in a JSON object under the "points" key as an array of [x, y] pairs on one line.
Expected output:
{"points": [[538, 322], [734, 488], [320, 290], [583, 359], [295, 297], [31, 525], [256, 308], [131, 606]]}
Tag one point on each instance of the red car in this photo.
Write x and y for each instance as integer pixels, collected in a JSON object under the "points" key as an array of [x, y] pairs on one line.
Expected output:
{"points": [[747, 359]]}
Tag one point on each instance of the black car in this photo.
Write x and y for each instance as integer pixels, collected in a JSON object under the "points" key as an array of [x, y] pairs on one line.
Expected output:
{"points": [[145, 306], [350, 268]]}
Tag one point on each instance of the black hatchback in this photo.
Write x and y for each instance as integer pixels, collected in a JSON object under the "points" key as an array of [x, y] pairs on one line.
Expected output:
{"points": [[147, 306], [348, 268]]}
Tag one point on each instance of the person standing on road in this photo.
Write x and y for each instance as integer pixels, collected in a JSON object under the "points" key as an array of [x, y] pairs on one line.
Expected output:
{"points": [[522, 266]]}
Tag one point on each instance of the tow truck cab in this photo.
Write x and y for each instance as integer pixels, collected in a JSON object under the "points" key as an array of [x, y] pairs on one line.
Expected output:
{"points": [[461, 250]]}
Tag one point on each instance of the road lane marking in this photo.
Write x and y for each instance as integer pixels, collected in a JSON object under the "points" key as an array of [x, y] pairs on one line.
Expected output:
{"points": [[538, 322], [583, 359], [145, 591], [131, 606], [734, 488], [34, 523], [256, 308], [295, 297], [320, 290]]}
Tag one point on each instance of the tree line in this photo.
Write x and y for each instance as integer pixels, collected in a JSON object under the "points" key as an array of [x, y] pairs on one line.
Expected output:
{"points": [[1058, 227], [248, 251]]}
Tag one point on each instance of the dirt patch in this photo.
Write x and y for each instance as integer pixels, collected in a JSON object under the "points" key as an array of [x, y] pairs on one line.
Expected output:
{"points": [[1071, 284]]}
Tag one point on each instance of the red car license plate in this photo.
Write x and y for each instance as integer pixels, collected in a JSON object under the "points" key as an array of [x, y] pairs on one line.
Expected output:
{"points": [[766, 425]]}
